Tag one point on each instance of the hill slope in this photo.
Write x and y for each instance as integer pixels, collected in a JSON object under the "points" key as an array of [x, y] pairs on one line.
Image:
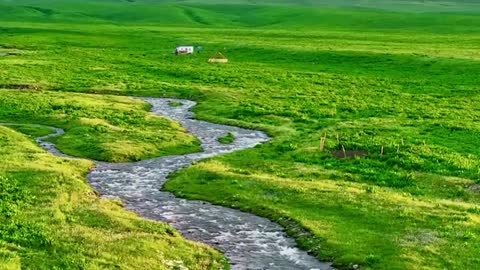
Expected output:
{"points": [[292, 14]]}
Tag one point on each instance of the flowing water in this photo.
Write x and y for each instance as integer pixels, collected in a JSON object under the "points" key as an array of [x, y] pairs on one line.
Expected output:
{"points": [[248, 241]]}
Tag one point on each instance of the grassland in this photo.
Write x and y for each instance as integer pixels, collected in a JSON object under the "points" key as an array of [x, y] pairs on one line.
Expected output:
{"points": [[103, 128], [404, 80], [51, 219], [227, 139]]}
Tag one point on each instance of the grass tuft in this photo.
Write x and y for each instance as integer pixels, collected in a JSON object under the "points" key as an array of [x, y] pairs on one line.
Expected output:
{"points": [[227, 139]]}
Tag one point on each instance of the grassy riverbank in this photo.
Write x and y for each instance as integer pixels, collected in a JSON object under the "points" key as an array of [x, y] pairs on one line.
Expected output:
{"points": [[399, 87], [105, 128], [50, 218]]}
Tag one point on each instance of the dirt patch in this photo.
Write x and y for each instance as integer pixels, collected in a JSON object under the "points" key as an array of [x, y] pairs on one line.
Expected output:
{"points": [[23, 87], [349, 154]]}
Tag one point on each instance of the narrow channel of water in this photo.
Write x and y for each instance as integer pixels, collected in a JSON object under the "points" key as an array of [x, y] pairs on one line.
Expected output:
{"points": [[248, 241]]}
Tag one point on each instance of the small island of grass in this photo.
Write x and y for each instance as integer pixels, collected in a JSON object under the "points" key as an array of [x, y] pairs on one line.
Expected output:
{"points": [[228, 139]]}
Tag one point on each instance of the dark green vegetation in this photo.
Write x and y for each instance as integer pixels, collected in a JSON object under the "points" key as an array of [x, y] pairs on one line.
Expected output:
{"points": [[404, 79], [227, 139], [175, 104], [51, 219]]}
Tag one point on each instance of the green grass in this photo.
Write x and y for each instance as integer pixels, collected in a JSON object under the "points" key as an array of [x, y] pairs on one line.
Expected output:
{"points": [[175, 104], [103, 128], [51, 219], [429, 15], [30, 130], [400, 77], [227, 139]]}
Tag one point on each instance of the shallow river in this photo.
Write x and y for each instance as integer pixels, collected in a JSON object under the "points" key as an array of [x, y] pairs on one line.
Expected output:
{"points": [[248, 241]]}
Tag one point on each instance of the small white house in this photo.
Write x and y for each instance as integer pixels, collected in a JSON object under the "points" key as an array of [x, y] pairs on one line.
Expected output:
{"points": [[183, 50]]}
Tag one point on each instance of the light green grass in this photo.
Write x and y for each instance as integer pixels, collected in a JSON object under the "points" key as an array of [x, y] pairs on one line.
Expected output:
{"points": [[388, 15], [30, 130], [98, 127], [405, 79]]}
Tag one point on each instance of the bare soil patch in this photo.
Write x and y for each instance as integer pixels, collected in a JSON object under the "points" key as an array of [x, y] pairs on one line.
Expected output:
{"points": [[349, 154]]}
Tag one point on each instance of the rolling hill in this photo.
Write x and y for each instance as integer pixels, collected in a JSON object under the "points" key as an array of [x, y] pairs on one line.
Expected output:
{"points": [[375, 14]]}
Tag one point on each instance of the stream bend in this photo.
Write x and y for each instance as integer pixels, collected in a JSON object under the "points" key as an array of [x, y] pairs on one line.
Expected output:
{"points": [[248, 241]]}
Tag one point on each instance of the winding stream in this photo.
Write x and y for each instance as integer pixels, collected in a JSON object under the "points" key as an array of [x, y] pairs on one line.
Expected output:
{"points": [[248, 241]]}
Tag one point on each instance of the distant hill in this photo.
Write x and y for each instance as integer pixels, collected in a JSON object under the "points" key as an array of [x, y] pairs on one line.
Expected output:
{"points": [[384, 14], [394, 5]]}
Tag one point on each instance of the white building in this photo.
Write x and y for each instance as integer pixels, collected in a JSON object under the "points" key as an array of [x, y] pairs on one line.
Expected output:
{"points": [[182, 50]]}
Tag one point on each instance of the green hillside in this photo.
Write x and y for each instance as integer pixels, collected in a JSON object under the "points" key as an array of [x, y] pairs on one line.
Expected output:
{"points": [[371, 15], [361, 76]]}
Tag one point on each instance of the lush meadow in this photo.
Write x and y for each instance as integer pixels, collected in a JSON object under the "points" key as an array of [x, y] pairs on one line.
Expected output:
{"points": [[397, 87], [105, 128], [51, 219]]}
